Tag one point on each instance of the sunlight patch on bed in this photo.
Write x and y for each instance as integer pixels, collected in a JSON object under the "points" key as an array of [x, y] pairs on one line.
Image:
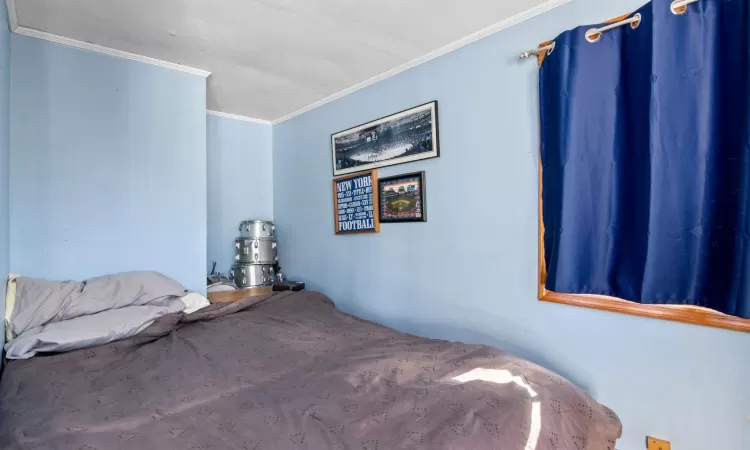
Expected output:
{"points": [[505, 377]]}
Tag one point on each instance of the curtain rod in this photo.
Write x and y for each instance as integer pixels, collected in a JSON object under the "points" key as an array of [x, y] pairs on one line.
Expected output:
{"points": [[677, 7]]}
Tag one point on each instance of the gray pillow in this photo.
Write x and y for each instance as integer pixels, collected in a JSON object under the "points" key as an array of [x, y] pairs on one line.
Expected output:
{"points": [[39, 302]]}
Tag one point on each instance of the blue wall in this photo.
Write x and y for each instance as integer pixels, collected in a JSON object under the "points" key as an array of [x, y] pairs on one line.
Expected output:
{"points": [[4, 160], [240, 183], [108, 166], [470, 272]]}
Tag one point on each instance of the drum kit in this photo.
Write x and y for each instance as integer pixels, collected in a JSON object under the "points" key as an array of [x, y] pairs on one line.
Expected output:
{"points": [[255, 256]]}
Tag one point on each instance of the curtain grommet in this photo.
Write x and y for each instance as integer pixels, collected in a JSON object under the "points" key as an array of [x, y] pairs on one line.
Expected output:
{"points": [[636, 21], [678, 7], [551, 48], [593, 35]]}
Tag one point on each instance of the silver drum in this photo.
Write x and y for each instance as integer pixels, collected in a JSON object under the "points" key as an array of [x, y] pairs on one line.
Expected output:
{"points": [[257, 228], [255, 251], [252, 275]]}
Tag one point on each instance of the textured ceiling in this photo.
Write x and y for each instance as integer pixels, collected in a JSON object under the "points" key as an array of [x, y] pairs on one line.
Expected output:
{"points": [[269, 58]]}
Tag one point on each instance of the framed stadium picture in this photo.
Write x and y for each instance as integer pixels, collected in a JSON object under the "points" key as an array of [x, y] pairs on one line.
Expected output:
{"points": [[402, 198], [406, 136]]}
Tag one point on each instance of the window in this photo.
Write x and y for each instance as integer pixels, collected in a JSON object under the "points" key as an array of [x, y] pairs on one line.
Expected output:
{"points": [[644, 150]]}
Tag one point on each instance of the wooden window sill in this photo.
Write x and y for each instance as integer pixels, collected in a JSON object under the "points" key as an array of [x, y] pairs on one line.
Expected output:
{"points": [[677, 313]]}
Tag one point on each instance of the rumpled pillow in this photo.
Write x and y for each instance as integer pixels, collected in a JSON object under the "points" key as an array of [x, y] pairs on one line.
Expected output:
{"points": [[40, 302], [89, 330]]}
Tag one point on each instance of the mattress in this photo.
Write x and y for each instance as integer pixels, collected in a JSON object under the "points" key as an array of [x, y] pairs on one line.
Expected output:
{"points": [[290, 371]]}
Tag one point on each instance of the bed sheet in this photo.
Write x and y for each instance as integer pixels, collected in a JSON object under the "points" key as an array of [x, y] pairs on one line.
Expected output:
{"points": [[289, 371]]}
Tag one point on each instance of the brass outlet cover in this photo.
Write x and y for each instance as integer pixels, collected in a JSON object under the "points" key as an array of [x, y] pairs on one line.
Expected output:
{"points": [[657, 444]]}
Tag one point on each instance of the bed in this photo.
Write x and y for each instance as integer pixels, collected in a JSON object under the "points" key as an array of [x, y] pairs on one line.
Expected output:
{"points": [[290, 371]]}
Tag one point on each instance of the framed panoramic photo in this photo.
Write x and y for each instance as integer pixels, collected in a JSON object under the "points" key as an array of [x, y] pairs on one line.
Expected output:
{"points": [[403, 137], [402, 198], [355, 203]]}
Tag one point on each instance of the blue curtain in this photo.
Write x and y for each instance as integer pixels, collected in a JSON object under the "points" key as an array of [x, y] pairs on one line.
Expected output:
{"points": [[646, 158]]}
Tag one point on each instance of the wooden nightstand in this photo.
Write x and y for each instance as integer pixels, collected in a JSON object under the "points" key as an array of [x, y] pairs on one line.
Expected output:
{"points": [[235, 296]]}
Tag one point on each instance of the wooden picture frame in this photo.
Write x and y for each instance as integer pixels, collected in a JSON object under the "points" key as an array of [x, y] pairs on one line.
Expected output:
{"points": [[407, 188], [402, 137], [360, 193]]}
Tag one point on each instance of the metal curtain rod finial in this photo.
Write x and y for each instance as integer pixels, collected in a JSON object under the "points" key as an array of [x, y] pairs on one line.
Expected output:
{"points": [[546, 48]]}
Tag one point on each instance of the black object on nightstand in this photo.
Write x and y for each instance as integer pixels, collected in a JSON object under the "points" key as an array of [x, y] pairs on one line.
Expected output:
{"points": [[288, 286]]}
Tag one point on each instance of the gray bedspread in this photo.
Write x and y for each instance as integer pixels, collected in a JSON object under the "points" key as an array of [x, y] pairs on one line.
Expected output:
{"points": [[289, 371]]}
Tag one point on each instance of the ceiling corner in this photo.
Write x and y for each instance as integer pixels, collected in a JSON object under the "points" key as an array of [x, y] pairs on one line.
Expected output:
{"points": [[12, 16], [238, 117]]}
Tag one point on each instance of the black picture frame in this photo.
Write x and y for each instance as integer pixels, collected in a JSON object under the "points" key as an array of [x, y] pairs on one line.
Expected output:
{"points": [[422, 142], [386, 197]]}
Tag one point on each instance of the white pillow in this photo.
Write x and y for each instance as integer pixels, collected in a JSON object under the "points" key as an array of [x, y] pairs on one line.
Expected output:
{"points": [[193, 302]]}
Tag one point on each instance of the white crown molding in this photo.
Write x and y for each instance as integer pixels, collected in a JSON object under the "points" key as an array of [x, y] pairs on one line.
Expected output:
{"points": [[455, 45], [238, 117], [12, 16], [106, 50], [483, 33], [25, 31]]}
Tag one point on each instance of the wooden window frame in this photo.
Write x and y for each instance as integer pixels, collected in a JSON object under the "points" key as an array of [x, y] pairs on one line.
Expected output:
{"points": [[678, 313]]}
